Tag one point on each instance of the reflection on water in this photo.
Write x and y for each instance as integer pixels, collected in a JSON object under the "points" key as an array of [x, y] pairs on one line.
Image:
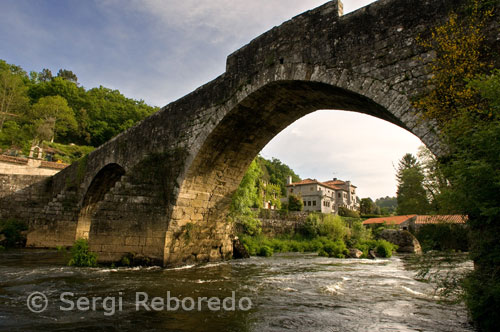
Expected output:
{"points": [[289, 292]]}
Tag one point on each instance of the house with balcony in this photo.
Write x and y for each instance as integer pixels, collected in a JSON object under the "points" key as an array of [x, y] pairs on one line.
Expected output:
{"points": [[325, 197]]}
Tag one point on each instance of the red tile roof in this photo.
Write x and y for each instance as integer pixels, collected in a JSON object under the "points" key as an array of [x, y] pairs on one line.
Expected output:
{"points": [[314, 181], [395, 220], [436, 219]]}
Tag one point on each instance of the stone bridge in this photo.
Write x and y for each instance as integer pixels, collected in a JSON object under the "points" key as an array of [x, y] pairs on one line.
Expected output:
{"points": [[162, 188]]}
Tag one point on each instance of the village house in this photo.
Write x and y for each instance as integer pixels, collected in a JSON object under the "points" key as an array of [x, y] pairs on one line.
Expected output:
{"points": [[413, 222], [325, 197]]}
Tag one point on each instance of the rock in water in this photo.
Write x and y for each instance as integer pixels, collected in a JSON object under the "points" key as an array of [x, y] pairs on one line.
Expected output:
{"points": [[239, 250], [406, 242], [355, 253]]}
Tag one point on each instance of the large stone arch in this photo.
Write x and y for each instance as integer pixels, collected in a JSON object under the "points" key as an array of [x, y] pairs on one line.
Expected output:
{"points": [[259, 111]]}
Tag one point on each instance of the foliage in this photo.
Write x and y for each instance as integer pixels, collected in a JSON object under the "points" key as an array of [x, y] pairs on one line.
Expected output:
{"points": [[411, 194], [295, 203], [265, 251], [275, 172], [81, 255], [381, 247], [443, 237], [367, 206], [329, 226], [246, 197], [12, 230], [464, 102], [40, 103], [359, 234], [269, 193], [68, 153], [387, 204], [345, 212], [13, 91], [458, 47], [53, 116]]}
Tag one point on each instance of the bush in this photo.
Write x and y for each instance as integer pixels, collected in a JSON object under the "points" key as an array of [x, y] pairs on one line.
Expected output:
{"points": [[12, 229], [249, 224], [295, 203], [332, 227], [81, 255], [335, 249], [265, 251], [385, 248], [344, 212]]}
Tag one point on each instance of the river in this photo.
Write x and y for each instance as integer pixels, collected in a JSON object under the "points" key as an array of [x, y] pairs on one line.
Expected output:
{"points": [[287, 292]]}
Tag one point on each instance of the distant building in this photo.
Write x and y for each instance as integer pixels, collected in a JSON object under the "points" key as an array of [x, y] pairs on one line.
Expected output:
{"points": [[414, 222], [440, 219], [403, 222], [325, 197]]}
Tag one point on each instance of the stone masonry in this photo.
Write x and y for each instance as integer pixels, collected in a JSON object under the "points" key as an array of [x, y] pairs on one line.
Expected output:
{"points": [[162, 188]]}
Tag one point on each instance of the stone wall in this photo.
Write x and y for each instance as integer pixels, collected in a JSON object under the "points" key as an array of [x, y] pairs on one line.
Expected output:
{"points": [[276, 222]]}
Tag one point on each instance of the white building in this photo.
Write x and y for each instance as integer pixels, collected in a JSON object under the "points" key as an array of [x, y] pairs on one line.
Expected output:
{"points": [[325, 197]]}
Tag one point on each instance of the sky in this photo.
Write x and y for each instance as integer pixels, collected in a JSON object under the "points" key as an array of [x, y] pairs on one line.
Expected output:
{"points": [[160, 50]]}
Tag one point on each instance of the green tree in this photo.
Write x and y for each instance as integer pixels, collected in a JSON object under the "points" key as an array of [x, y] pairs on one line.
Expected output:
{"points": [[53, 117], [13, 90], [295, 203], [464, 102], [411, 194], [367, 206], [67, 75]]}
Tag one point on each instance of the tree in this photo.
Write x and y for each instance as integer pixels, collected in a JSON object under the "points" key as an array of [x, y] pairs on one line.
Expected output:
{"points": [[367, 206], [13, 96], [434, 179], [465, 103], [53, 116], [67, 75], [295, 203], [411, 194], [45, 75]]}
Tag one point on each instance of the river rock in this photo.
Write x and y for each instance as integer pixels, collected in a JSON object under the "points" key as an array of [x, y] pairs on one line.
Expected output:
{"points": [[372, 254], [355, 253], [239, 250], [406, 242]]}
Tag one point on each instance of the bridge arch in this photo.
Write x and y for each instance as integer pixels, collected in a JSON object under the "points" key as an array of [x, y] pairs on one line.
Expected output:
{"points": [[100, 185], [262, 111]]}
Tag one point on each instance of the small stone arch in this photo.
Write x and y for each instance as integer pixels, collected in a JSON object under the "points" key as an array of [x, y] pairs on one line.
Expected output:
{"points": [[101, 184]]}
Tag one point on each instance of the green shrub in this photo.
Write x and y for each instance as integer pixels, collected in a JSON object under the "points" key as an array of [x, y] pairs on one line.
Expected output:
{"points": [[335, 249], [81, 255], [332, 227], [265, 251], [345, 212], [12, 229], [385, 248], [295, 203]]}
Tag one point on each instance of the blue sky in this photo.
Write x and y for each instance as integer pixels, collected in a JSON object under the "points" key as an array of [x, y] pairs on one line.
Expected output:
{"points": [[160, 50]]}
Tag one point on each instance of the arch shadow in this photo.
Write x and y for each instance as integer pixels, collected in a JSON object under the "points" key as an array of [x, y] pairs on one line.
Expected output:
{"points": [[101, 184]]}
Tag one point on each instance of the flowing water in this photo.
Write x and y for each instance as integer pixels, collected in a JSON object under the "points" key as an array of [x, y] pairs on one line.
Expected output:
{"points": [[288, 292]]}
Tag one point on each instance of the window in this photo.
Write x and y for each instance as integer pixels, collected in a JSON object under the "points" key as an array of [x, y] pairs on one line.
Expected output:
{"points": [[305, 203], [312, 188], [308, 203], [340, 195], [314, 203]]}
